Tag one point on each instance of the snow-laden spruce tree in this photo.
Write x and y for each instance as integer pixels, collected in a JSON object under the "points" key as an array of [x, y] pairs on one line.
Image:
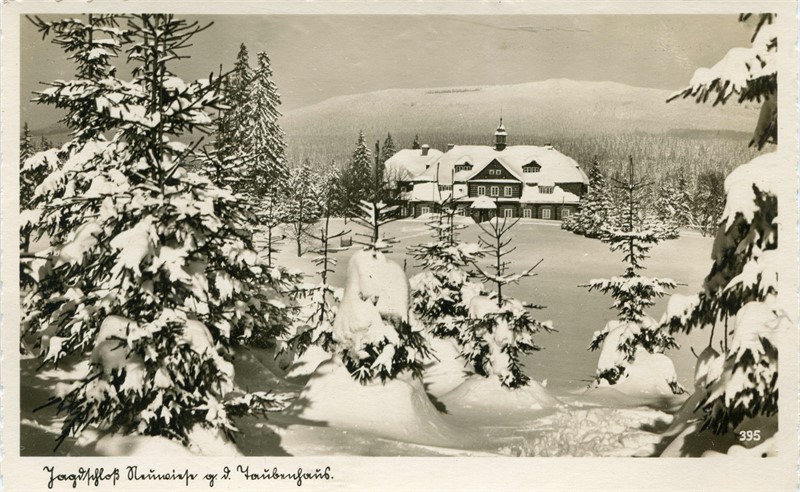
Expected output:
{"points": [[26, 150], [150, 275], [224, 161], [389, 148], [594, 207], [359, 177], [29, 178], [266, 137], [500, 329], [741, 300], [673, 203], [709, 200], [634, 331]]}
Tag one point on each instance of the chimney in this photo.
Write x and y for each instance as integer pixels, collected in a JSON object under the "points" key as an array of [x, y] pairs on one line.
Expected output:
{"points": [[450, 146], [425, 149]]}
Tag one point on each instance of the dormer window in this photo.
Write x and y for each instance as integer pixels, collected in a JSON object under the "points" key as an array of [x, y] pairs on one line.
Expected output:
{"points": [[546, 190], [463, 167], [531, 167]]}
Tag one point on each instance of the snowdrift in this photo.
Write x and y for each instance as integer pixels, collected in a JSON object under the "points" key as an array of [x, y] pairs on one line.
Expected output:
{"points": [[203, 442], [445, 374], [479, 394], [397, 409]]}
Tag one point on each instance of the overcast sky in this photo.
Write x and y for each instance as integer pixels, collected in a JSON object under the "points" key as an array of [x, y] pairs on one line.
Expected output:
{"points": [[318, 57]]}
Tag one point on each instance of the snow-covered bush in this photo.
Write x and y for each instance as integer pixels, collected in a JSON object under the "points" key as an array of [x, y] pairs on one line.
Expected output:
{"points": [[742, 286], [632, 293], [500, 329], [373, 331], [150, 267]]}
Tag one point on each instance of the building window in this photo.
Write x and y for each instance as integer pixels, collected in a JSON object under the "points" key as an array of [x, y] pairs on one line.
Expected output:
{"points": [[424, 210], [508, 191], [546, 190], [546, 213], [508, 213], [494, 191], [445, 187], [565, 212], [481, 190], [526, 212], [463, 167]]}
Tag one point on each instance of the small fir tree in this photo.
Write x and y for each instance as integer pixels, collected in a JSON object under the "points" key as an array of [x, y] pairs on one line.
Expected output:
{"points": [[416, 145], [595, 207], [315, 322], [302, 204], [441, 293], [500, 329], [273, 214], [632, 293], [666, 206]]}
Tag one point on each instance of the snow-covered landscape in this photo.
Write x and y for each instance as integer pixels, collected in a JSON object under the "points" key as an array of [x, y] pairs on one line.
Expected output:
{"points": [[216, 297]]}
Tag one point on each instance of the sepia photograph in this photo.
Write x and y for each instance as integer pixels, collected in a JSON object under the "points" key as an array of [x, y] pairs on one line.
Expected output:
{"points": [[383, 235]]}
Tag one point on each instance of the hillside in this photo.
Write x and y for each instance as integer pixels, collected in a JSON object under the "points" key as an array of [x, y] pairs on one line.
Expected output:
{"points": [[535, 112], [582, 119]]}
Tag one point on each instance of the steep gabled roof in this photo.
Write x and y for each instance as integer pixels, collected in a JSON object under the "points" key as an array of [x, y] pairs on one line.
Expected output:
{"points": [[555, 166]]}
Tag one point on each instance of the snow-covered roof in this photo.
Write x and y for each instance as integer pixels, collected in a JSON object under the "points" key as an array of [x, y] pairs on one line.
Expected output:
{"points": [[555, 166], [428, 192], [408, 163], [530, 194]]}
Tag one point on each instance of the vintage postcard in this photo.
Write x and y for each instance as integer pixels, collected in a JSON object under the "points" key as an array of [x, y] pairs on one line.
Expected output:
{"points": [[399, 246]]}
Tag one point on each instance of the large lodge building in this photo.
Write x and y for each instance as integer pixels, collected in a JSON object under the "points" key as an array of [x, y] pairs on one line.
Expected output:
{"points": [[513, 181]]}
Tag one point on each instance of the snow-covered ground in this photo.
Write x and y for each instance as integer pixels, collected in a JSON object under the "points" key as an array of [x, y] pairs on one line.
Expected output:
{"points": [[556, 416]]}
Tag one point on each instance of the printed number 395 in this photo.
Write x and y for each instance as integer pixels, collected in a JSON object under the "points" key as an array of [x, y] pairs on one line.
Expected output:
{"points": [[752, 435]]}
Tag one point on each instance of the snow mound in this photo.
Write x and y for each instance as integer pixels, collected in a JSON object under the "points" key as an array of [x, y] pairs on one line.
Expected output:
{"points": [[203, 442], [486, 394], [649, 374], [398, 409], [306, 364], [443, 375]]}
